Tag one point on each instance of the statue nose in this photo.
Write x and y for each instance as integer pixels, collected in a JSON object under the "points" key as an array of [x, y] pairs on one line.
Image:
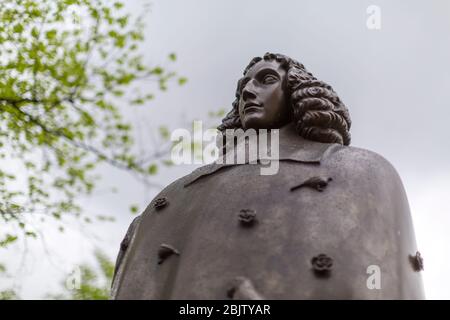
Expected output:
{"points": [[248, 95], [248, 92]]}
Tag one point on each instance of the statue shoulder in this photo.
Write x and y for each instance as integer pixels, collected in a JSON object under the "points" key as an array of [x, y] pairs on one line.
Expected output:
{"points": [[177, 187], [174, 188], [365, 162]]}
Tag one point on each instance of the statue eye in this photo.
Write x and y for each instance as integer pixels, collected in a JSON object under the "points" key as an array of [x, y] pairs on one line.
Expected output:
{"points": [[269, 78]]}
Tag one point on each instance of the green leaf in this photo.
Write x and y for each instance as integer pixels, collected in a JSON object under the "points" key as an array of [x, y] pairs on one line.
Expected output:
{"points": [[18, 28], [152, 169], [182, 80], [50, 35], [164, 132], [35, 32], [157, 71], [134, 209], [172, 57], [31, 234], [8, 240], [123, 21], [118, 5]]}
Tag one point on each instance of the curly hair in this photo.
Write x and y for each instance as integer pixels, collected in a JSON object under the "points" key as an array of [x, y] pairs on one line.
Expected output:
{"points": [[317, 110]]}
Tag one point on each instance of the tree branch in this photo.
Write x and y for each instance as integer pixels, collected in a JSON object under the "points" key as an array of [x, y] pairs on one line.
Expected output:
{"points": [[61, 134]]}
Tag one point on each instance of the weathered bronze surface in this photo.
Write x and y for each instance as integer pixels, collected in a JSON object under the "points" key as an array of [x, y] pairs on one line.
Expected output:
{"points": [[230, 232]]}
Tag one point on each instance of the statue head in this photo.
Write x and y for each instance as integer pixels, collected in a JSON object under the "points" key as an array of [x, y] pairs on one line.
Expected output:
{"points": [[277, 90]]}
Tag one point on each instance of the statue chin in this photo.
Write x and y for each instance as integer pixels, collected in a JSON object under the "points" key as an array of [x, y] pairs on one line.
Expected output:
{"points": [[256, 121]]}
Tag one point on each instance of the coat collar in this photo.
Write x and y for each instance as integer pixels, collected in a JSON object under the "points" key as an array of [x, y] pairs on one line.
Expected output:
{"points": [[291, 147], [296, 148]]}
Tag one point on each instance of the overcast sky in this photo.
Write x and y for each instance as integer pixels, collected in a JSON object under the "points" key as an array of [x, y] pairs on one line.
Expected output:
{"points": [[395, 82]]}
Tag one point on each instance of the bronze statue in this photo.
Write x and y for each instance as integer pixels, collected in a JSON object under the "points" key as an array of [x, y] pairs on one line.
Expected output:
{"points": [[332, 223]]}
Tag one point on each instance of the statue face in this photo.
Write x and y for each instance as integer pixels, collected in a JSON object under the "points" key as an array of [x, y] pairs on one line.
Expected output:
{"points": [[263, 103]]}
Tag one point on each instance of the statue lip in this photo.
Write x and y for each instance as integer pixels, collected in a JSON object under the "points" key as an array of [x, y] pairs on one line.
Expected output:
{"points": [[251, 106]]}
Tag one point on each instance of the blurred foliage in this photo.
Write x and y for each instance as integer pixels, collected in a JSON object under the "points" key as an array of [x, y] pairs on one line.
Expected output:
{"points": [[92, 285], [66, 69], [217, 114], [7, 294]]}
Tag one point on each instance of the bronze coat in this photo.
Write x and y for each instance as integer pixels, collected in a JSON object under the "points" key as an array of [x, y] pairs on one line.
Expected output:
{"points": [[359, 218]]}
